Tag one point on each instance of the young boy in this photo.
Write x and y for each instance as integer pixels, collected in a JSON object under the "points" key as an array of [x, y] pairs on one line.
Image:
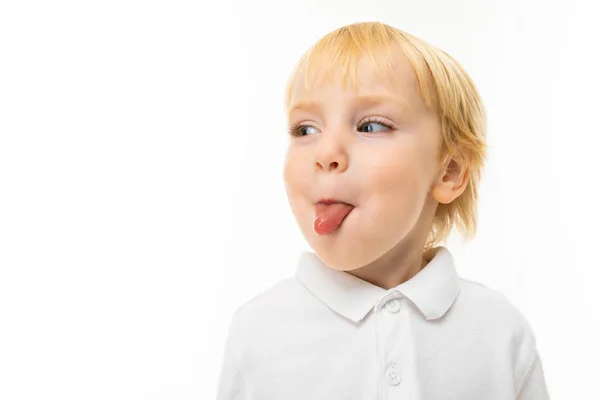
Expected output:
{"points": [[385, 154]]}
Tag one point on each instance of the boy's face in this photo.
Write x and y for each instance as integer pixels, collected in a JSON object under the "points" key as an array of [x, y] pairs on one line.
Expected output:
{"points": [[346, 152]]}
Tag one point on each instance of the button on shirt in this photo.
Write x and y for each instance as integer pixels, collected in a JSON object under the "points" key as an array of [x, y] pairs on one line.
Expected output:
{"points": [[325, 334]]}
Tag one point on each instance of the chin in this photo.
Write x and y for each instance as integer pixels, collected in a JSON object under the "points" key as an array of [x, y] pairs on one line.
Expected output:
{"points": [[345, 257], [349, 251]]}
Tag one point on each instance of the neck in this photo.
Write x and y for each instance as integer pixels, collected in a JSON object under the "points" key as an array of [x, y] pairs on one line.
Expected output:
{"points": [[395, 267]]}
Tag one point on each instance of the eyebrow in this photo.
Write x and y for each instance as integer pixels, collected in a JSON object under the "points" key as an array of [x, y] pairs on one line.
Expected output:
{"points": [[364, 100]]}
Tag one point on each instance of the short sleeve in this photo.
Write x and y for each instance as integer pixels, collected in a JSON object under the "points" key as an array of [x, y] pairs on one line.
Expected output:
{"points": [[534, 385], [231, 382]]}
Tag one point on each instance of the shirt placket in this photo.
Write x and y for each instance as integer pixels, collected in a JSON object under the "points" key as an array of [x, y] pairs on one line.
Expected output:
{"points": [[391, 332]]}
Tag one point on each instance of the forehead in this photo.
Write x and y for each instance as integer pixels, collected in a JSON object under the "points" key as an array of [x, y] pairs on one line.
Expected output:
{"points": [[396, 81]]}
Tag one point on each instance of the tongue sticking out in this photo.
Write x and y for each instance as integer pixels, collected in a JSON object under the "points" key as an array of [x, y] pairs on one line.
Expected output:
{"points": [[329, 216]]}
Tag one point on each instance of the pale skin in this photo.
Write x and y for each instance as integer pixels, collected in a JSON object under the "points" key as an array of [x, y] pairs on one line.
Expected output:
{"points": [[390, 174]]}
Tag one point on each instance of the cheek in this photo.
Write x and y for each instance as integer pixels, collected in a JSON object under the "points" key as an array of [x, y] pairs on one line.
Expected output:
{"points": [[399, 171], [395, 189]]}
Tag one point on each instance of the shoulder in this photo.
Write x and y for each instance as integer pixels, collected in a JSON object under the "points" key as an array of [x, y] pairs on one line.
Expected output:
{"points": [[492, 307], [261, 325], [498, 325], [277, 300]]}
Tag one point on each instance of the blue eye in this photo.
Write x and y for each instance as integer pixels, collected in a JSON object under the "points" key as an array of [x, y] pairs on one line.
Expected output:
{"points": [[304, 130], [372, 123]]}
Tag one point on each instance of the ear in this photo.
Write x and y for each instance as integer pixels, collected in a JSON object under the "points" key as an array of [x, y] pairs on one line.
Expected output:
{"points": [[451, 183]]}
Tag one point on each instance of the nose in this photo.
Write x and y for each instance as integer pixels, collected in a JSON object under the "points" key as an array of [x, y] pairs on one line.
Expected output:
{"points": [[331, 155]]}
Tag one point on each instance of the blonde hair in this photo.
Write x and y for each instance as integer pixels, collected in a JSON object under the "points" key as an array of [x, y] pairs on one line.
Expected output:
{"points": [[444, 85]]}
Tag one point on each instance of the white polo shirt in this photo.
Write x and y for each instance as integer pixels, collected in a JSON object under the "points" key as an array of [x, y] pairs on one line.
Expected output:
{"points": [[325, 334]]}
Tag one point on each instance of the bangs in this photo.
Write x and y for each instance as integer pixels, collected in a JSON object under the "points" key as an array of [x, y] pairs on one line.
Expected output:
{"points": [[336, 56]]}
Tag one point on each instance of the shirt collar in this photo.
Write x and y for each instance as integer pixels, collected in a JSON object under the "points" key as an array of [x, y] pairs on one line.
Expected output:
{"points": [[432, 290]]}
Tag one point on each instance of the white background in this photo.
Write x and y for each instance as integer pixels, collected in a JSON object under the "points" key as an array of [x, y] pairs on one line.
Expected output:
{"points": [[141, 190]]}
